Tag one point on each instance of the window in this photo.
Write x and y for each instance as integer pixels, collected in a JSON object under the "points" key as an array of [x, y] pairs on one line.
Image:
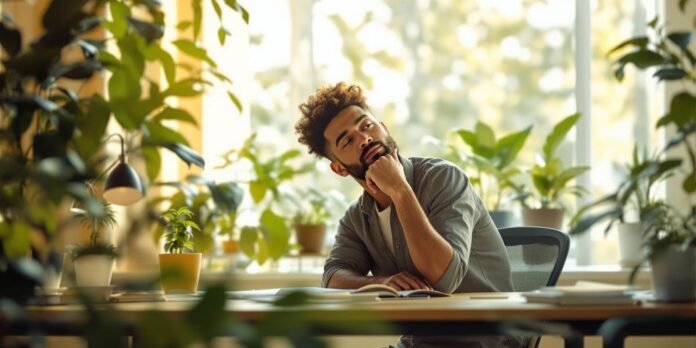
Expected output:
{"points": [[433, 66]]}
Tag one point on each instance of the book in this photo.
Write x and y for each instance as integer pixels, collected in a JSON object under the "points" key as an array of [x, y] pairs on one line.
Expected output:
{"points": [[138, 296], [583, 293], [386, 291]]}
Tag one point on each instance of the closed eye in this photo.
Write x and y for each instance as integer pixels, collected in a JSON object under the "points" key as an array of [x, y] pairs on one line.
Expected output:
{"points": [[347, 142]]}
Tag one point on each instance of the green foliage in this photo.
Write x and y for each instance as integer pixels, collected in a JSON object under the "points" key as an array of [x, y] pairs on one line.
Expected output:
{"points": [[550, 179], [271, 173], [65, 131], [214, 206], [317, 207], [96, 222], [179, 226], [492, 159], [669, 55]]}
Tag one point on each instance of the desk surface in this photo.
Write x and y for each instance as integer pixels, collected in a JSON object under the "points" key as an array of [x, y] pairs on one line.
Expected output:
{"points": [[483, 307]]}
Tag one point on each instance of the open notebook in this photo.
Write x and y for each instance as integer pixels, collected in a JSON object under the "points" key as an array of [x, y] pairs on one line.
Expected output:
{"points": [[385, 291]]}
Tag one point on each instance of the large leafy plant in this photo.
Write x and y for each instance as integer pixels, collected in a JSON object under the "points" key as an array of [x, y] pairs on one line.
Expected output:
{"points": [[492, 160], [550, 179], [50, 136], [670, 56]]}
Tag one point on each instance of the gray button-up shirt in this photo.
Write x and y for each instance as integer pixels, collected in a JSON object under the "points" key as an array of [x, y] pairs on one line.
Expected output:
{"points": [[454, 210]]}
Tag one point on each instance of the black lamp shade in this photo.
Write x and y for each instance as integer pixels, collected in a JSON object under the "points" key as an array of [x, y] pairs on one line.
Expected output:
{"points": [[123, 186]]}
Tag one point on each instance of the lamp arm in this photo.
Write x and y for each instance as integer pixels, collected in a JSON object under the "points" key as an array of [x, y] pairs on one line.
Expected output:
{"points": [[123, 145], [122, 156]]}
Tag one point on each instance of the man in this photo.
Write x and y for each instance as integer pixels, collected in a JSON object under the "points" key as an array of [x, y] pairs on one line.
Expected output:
{"points": [[419, 223]]}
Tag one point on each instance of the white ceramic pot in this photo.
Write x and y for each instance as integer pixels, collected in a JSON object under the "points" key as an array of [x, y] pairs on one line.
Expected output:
{"points": [[94, 270], [630, 240]]}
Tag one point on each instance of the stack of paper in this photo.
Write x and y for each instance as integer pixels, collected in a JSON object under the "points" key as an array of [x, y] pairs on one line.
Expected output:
{"points": [[583, 293]]}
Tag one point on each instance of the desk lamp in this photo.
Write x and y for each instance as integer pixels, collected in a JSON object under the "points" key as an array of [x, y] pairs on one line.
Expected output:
{"points": [[123, 185]]}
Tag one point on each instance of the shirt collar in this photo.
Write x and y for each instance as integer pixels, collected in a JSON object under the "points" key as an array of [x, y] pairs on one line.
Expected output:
{"points": [[367, 202]]}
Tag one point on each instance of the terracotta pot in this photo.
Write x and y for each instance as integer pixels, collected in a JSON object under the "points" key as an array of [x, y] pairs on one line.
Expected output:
{"points": [[310, 238], [544, 217], [180, 272], [230, 246]]}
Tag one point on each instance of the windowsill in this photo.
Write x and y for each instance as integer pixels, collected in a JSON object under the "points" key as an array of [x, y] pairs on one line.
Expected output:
{"points": [[312, 277]]}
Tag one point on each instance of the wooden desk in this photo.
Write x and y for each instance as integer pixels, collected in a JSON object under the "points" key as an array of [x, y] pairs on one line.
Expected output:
{"points": [[483, 313]]}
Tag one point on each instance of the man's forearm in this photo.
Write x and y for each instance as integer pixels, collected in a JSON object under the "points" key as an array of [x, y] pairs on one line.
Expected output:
{"points": [[430, 252], [348, 279]]}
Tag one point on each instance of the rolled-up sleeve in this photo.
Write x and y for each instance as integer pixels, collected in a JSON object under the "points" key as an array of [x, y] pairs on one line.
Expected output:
{"points": [[348, 252], [453, 213]]}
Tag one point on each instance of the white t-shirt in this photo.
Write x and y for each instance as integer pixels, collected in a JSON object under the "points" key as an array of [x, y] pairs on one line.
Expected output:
{"points": [[385, 226]]}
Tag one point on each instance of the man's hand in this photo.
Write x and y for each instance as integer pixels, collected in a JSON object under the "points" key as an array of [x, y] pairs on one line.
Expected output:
{"points": [[386, 174], [405, 281]]}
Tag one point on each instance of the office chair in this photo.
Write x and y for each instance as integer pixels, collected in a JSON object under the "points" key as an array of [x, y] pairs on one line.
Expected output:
{"points": [[536, 254]]}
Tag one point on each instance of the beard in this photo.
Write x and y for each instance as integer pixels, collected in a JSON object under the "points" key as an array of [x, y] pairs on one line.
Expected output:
{"points": [[358, 171]]}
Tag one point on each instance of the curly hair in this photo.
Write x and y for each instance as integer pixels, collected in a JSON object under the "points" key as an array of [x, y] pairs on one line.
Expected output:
{"points": [[320, 109]]}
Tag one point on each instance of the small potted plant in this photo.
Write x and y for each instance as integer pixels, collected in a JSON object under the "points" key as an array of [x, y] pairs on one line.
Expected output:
{"points": [[315, 209], [550, 181], [94, 262], [627, 207], [179, 269], [492, 166]]}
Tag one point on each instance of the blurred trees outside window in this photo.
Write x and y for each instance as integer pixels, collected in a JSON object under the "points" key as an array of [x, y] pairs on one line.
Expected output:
{"points": [[432, 66]]}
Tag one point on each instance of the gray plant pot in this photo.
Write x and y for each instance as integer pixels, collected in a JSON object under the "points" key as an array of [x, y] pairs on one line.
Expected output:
{"points": [[674, 275], [503, 218], [544, 217]]}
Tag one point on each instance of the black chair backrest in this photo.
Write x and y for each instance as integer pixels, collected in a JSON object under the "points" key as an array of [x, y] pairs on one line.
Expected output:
{"points": [[536, 254]]}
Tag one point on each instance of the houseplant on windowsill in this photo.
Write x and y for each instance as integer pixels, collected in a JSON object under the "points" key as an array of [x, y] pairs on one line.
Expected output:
{"points": [[180, 270], [629, 205], [272, 171], [94, 262], [550, 181], [214, 206], [314, 211], [491, 167], [670, 230]]}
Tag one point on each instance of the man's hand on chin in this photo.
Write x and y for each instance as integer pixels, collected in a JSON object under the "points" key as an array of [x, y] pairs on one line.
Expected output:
{"points": [[386, 174]]}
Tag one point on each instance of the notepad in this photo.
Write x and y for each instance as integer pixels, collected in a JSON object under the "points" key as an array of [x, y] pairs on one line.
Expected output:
{"points": [[386, 291], [583, 293]]}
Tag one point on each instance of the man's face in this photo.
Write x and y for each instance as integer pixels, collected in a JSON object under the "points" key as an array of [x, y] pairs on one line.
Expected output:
{"points": [[355, 140]]}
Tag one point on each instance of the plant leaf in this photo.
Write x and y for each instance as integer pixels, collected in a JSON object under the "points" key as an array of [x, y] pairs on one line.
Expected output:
{"points": [[554, 139], [186, 154]]}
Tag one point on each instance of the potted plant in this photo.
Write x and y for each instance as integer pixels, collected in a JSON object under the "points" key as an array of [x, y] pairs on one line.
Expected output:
{"points": [[272, 170], [493, 162], [629, 205], [94, 262], [180, 270], [670, 230], [214, 206], [314, 210], [550, 181]]}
